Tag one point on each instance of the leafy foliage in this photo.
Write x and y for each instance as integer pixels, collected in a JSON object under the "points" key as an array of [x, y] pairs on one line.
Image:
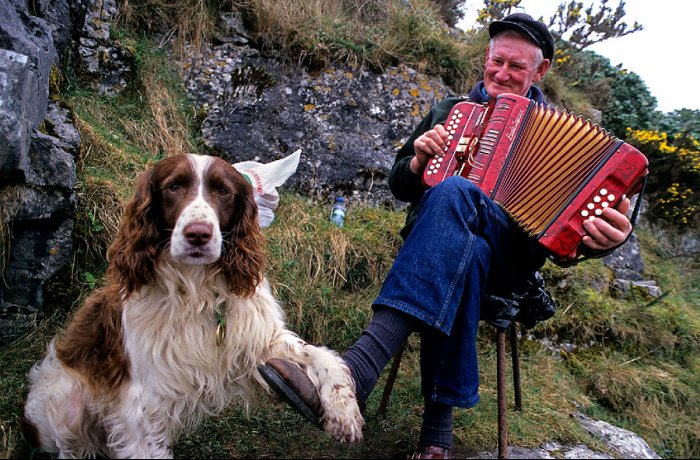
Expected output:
{"points": [[674, 181], [684, 121], [581, 27], [495, 10], [631, 105], [587, 27]]}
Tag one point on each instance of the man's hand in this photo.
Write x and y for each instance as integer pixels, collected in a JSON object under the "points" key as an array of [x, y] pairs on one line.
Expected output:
{"points": [[426, 146], [612, 228]]}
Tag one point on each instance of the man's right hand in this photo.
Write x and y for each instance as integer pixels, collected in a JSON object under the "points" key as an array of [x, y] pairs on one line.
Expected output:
{"points": [[426, 146]]}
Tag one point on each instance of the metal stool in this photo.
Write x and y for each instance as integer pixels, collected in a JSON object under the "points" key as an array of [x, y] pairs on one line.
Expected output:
{"points": [[500, 382]]}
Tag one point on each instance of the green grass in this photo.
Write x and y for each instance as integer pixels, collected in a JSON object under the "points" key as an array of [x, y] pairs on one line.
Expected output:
{"points": [[323, 277]]}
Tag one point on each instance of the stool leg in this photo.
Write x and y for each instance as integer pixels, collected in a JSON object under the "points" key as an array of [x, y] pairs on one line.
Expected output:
{"points": [[515, 356], [391, 378], [501, 392]]}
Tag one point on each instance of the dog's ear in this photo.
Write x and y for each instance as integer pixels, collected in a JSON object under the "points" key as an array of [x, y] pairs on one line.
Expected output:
{"points": [[243, 261], [133, 253]]}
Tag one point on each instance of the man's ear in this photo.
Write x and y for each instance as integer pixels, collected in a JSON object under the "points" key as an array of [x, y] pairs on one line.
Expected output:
{"points": [[542, 70], [486, 57]]}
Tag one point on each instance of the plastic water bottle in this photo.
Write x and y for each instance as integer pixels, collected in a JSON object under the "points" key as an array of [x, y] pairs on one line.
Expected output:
{"points": [[338, 212]]}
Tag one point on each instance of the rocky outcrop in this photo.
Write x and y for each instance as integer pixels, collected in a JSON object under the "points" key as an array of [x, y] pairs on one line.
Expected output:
{"points": [[349, 122], [38, 145]]}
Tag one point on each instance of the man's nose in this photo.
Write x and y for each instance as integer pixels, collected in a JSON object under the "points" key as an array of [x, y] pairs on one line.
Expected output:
{"points": [[503, 73]]}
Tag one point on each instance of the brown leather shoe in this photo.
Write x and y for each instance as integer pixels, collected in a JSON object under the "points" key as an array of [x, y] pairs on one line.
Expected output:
{"points": [[291, 383], [431, 452]]}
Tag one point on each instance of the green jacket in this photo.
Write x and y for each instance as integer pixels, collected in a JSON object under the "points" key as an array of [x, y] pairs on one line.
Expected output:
{"points": [[404, 184]]}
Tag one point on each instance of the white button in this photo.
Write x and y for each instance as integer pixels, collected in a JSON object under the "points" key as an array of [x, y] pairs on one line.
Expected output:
{"points": [[450, 137], [591, 218], [597, 199], [603, 191], [611, 197], [584, 213], [605, 204], [598, 212], [590, 206]]}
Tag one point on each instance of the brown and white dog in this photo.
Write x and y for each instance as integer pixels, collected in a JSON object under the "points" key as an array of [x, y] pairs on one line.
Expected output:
{"points": [[178, 331]]}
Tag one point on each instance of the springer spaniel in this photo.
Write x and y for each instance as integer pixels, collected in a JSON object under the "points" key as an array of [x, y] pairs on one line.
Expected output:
{"points": [[179, 329]]}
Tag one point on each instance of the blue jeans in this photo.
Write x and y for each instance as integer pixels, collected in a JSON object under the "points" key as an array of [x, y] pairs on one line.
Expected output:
{"points": [[462, 245]]}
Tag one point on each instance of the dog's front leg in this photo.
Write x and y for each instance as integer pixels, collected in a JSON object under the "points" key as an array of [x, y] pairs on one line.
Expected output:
{"points": [[341, 416], [136, 429]]}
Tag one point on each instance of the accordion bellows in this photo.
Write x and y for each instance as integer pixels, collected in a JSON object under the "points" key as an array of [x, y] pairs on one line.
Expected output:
{"points": [[548, 169]]}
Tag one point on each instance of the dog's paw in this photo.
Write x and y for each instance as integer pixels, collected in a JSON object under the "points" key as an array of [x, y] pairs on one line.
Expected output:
{"points": [[343, 421]]}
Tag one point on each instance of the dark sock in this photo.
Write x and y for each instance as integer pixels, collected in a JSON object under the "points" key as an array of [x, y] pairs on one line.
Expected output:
{"points": [[382, 338], [437, 426]]}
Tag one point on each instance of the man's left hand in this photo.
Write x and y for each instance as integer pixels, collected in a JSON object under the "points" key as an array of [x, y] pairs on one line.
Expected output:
{"points": [[610, 229]]}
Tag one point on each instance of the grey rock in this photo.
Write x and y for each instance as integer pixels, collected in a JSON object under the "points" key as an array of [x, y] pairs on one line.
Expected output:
{"points": [[349, 122], [624, 442], [37, 167], [15, 125]]}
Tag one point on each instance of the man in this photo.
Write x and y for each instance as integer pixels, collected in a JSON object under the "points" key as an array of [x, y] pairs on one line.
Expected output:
{"points": [[459, 247]]}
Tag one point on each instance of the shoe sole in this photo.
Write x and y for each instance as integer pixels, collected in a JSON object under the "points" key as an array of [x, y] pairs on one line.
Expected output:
{"points": [[277, 383]]}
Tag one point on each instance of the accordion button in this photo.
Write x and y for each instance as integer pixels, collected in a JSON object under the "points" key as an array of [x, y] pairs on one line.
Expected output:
{"points": [[605, 204], [590, 206], [611, 197], [591, 218], [450, 137], [603, 191], [584, 213], [597, 199], [598, 212]]}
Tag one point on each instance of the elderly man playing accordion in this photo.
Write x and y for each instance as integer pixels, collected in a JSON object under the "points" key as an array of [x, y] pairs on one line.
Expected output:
{"points": [[460, 247]]}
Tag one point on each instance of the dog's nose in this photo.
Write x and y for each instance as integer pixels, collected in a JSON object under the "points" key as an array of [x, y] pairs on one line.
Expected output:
{"points": [[198, 233]]}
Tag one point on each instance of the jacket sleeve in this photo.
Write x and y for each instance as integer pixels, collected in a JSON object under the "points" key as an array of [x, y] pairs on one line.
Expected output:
{"points": [[404, 184]]}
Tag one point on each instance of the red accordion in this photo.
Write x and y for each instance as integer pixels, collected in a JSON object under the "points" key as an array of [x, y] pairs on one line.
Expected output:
{"points": [[548, 169]]}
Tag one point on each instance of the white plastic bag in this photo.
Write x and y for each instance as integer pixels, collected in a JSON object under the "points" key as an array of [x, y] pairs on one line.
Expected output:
{"points": [[265, 179]]}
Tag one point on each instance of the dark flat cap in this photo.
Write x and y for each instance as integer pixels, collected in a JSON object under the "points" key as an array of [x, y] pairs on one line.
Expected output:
{"points": [[524, 23]]}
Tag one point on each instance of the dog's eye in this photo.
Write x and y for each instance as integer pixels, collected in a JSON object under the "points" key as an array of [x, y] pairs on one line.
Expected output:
{"points": [[174, 187], [223, 191]]}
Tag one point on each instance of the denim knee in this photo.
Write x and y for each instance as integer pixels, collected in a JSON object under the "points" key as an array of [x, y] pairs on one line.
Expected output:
{"points": [[457, 195]]}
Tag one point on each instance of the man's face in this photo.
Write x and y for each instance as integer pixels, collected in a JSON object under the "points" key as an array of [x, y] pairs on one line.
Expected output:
{"points": [[510, 66]]}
